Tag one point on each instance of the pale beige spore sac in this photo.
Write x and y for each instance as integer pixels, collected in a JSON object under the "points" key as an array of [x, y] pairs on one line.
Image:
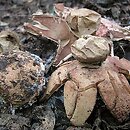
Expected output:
{"points": [[91, 49]]}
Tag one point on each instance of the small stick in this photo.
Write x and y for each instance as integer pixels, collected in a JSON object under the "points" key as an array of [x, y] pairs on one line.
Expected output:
{"points": [[112, 50], [65, 59]]}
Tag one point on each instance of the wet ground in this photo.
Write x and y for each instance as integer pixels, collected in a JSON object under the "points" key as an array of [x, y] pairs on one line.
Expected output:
{"points": [[13, 14]]}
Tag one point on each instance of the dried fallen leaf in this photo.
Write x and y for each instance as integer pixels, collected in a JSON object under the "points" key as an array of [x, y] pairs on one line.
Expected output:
{"points": [[113, 30]]}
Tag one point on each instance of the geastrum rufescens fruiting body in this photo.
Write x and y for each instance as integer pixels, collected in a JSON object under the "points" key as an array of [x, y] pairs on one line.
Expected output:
{"points": [[83, 79]]}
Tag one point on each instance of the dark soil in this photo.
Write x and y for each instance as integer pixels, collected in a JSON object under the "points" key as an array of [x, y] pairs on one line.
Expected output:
{"points": [[13, 14]]}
